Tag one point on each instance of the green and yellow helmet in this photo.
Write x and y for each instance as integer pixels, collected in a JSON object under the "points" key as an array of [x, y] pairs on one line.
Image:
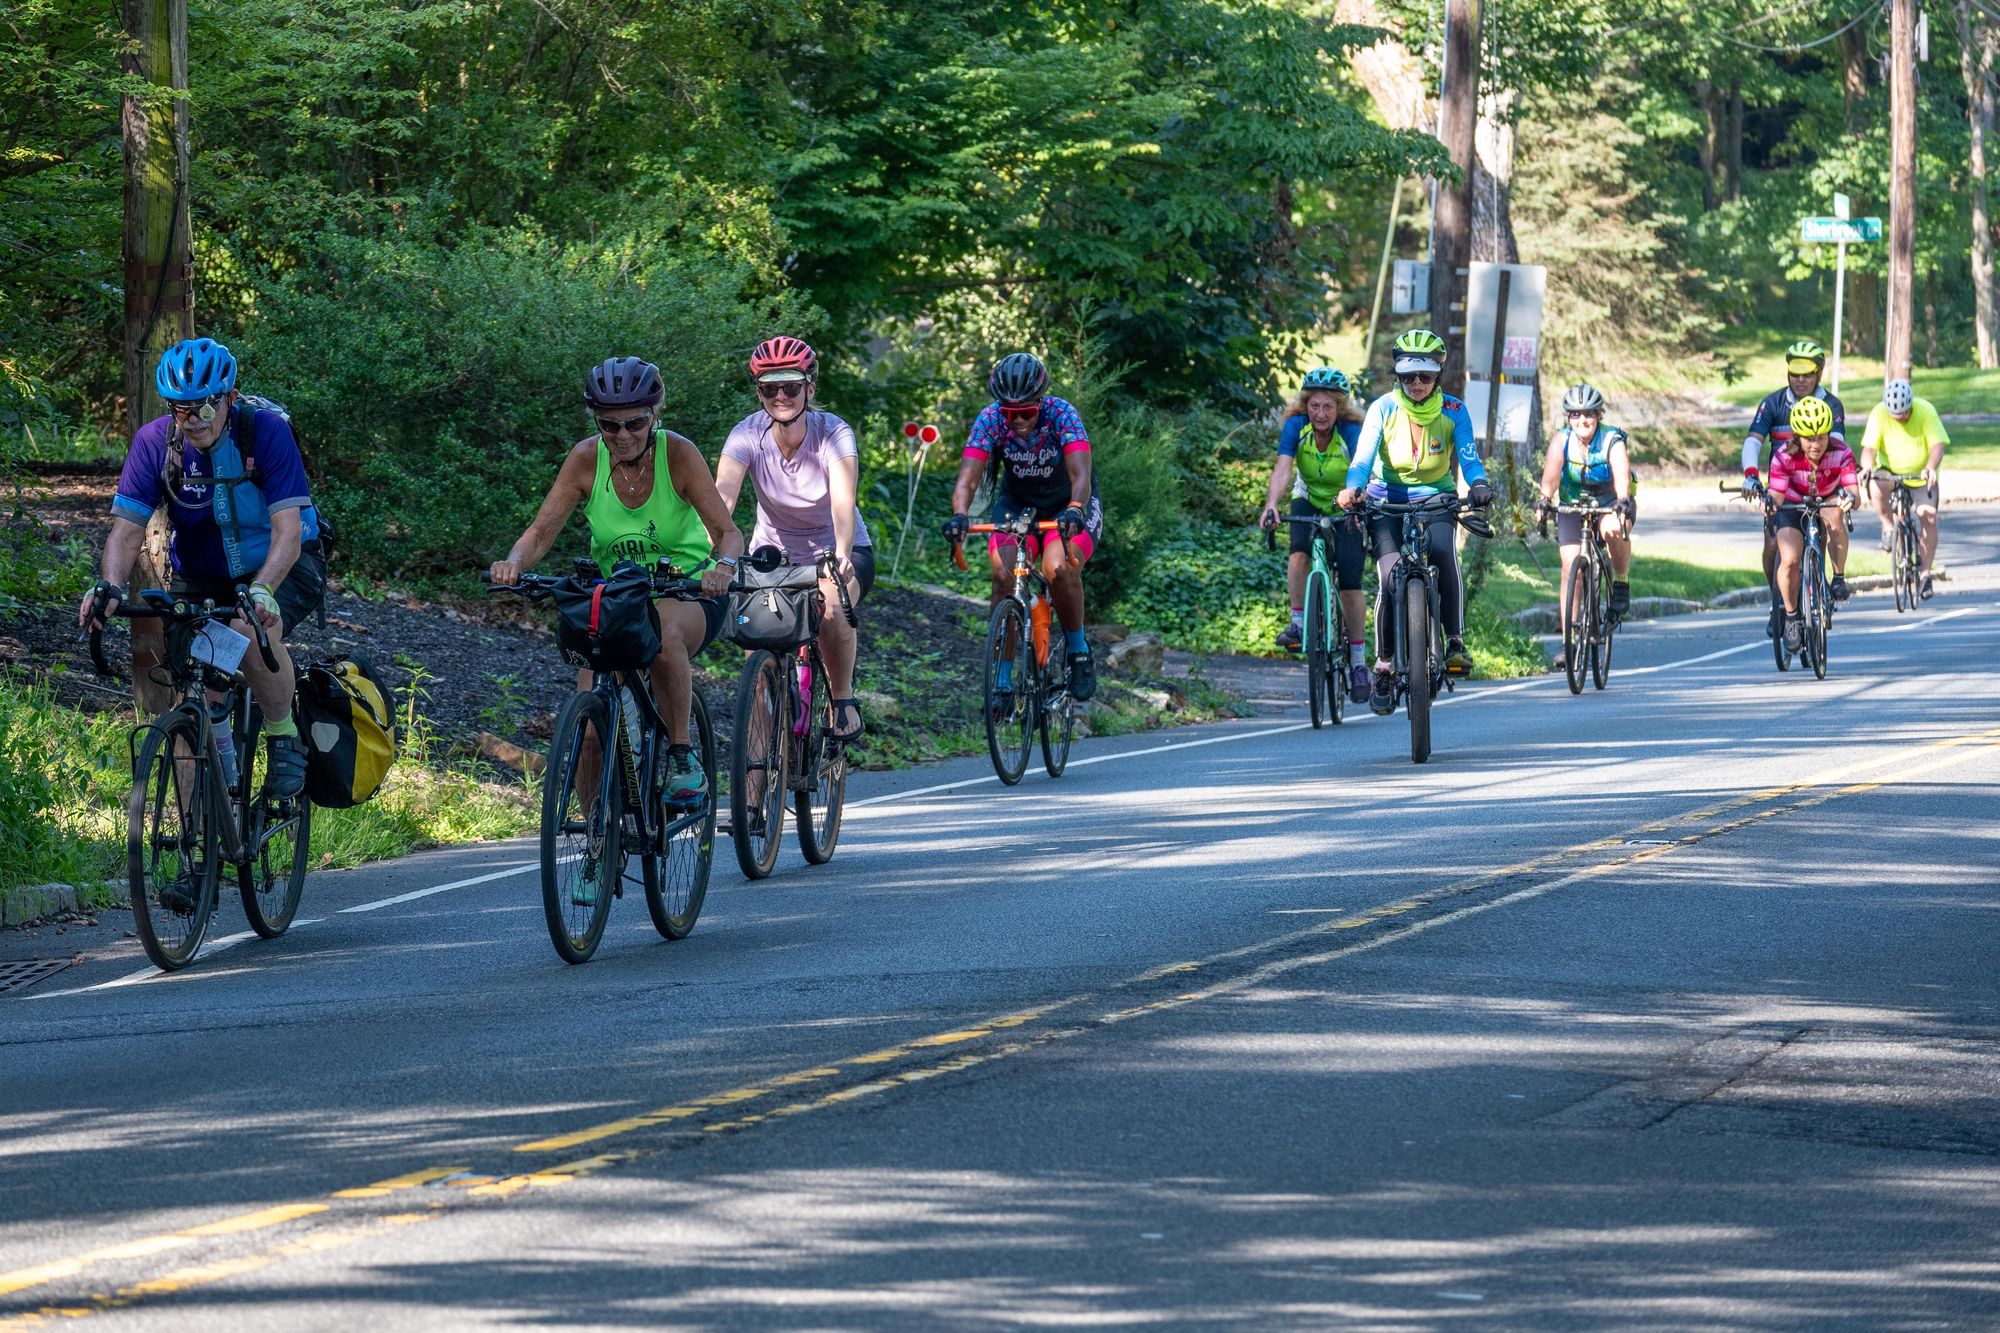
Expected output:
{"points": [[1419, 349], [1805, 357]]}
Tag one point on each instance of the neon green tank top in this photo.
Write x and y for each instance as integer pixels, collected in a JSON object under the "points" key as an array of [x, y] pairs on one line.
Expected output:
{"points": [[1323, 472], [666, 527]]}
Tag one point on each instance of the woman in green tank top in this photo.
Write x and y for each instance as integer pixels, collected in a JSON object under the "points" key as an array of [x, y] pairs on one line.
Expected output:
{"points": [[647, 514]]}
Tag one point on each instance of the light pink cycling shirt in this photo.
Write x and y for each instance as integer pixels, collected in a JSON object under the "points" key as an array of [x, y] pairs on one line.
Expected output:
{"points": [[794, 508]]}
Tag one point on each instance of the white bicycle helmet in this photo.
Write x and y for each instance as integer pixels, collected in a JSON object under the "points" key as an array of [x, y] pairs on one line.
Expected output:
{"points": [[1898, 396]]}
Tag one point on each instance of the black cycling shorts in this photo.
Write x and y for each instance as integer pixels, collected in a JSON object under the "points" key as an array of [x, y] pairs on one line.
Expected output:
{"points": [[299, 596]]}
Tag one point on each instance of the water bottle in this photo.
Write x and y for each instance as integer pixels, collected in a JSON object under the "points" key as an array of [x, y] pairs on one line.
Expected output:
{"points": [[223, 729]]}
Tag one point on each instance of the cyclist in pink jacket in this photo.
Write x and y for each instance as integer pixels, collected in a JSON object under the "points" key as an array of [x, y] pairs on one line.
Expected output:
{"points": [[1811, 463]]}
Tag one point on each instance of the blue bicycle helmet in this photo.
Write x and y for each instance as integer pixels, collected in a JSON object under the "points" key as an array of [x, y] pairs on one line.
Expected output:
{"points": [[193, 369], [1326, 377]]}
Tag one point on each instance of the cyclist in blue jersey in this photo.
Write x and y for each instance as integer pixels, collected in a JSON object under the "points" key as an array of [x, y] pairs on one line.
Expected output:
{"points": [[1038, 446], [235, 492], [1315, 446], [1804, 361], [1416, 441]]}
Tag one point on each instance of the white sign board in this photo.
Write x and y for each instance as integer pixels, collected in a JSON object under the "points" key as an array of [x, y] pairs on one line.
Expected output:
{"points": [[1517, 402], [1482, 312], [1410, 289], [1841, 205]]}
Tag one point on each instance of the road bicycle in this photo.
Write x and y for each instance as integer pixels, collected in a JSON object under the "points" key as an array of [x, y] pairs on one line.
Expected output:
{"points": [[1906, 545], [1324, 642], [1589, 627], [1022, 631], [784, 743], [604, 797], [199, 795], [1416, 610]]}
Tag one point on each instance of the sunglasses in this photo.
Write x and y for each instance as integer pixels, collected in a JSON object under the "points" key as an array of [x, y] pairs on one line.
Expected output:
{"points": [[1020, 411], [1585, 416], [783, 389], [607, 426], [203, 411], [1418, 377]]}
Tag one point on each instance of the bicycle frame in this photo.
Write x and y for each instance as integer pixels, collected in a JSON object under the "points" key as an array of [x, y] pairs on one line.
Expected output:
{"points": [[1415, 563]]}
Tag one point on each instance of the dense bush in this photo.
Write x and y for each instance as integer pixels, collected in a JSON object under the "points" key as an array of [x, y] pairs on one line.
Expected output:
{"points": [[437, 385]]}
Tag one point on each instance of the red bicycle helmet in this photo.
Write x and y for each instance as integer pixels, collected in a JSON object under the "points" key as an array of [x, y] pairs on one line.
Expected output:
{"points": [[781, 354]]}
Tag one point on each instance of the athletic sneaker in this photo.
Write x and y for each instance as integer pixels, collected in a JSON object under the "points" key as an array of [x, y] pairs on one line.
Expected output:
{"points": [[1457, 662], [1924, 592], [687, 782], [1795, 633], [1621, 598], [1382, 697], [1776, 625], [286, 776], [1290, 637], [1888, 542], [1357, 685], [1082, 677], [1841, 592]]}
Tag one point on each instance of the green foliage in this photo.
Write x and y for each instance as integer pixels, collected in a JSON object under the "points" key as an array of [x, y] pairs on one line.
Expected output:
{"points": [[437, 386], [62, 790], [1209, 588]]}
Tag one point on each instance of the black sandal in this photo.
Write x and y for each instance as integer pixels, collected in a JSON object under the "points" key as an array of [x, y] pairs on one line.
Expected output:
{"points": [[846, 737]]}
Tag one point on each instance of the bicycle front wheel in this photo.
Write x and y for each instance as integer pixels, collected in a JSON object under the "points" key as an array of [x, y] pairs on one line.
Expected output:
{"points": [[170, 842], [581, 861], [677, 874], [1336, 661], [277, 833], [1316, 648], [1819, 617], [1600, 626], [1417, 659], [1903, 573], [1576, 624], [757, 760], [826, 780], [1010, 709]]}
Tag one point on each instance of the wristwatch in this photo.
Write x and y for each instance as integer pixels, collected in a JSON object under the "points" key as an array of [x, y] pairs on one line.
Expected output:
{"points": [[726, 561]]}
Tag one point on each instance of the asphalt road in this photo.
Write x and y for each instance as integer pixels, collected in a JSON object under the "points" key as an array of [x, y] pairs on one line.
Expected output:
{"points": [[1667, 1007]]}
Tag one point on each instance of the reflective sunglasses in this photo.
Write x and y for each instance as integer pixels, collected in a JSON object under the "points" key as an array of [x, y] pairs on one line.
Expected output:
{"points": [[203, 410], [607, 426], [782, 389], [1584, 416], [1418, 377], [1020, 411]]}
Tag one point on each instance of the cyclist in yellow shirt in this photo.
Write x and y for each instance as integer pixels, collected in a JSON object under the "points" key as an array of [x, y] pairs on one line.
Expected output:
{"points": [[1910, 439]]}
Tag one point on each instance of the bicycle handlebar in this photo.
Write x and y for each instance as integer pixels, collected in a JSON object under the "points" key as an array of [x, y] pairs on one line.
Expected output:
{"points": [[535, 587], [1455, 507], [1024, 525], [158, 604]]}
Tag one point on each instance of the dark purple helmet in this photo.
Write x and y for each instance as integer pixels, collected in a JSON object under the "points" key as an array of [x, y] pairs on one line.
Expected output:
{"points": [[624, 381]]}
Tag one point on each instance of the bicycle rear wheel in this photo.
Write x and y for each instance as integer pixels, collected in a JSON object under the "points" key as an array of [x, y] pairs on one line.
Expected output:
{"points": [[1056, 718], [277, 832], [757, 765], [1601, 626], [1010, 713], [170, 842], [1417, 659], [1316, 648], [1819, 616], [826, 779], [581, 860], [1576, 624], [677, 874]]}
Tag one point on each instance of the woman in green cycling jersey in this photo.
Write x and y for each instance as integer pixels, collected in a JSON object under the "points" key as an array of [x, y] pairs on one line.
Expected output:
{"points": [[615, 475], [1315, 447]]}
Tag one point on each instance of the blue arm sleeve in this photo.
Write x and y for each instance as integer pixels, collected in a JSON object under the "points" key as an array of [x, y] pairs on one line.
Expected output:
{"points": [[1368, 445], [1469, 465]]}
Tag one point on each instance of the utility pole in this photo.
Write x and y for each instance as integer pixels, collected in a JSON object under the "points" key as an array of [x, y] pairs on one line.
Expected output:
{"points": [[1451, 247], [159, 274], [1902, 184]]}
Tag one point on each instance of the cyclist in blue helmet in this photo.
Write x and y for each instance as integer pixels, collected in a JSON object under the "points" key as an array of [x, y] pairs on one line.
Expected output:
{"points": [[234, 488]]}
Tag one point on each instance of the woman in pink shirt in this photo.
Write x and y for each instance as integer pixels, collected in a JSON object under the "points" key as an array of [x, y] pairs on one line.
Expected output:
{"points": [[1811, 463], [806, 471]]}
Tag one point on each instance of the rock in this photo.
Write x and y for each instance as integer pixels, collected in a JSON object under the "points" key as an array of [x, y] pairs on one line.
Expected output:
{"points": [[1107, 633], [875, 704], [1140, 655], [506, 752]]}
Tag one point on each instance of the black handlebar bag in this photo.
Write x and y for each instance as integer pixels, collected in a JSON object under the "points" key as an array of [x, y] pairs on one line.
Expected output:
{"points": [[778, 609], [609, 624]]}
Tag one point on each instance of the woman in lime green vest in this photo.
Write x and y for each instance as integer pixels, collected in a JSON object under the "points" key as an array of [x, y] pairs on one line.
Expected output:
{"points": [[615, 475]]}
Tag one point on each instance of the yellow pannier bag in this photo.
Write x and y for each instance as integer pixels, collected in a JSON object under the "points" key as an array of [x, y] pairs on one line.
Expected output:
{"points": [[346, 718]]}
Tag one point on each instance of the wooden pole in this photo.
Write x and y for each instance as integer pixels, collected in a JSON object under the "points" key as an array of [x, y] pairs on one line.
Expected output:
{"points": [[1458, 117], [1976, 42], [159, 287], [1902, 184]]}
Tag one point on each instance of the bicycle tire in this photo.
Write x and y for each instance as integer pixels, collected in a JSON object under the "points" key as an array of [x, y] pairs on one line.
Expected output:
{"points": [[171, 900], [677, 874], [1010, 735], [277, 835], [759, 760], [1600, 624], [577, 835], [1316, 649], [826, 761], [1056, 719], [1576, 624], [1904, 575], [1336, 661], [1417, 639], [1819, 617], [1778, 639]]}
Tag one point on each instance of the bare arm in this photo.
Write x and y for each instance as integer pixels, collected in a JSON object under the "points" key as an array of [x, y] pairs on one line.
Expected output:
{"points": [[688, 472], [969, 470], [287, 535], [1281, 481], [1078, 466], [121, 548], [843, 483], [571, 488], [729, 474], [1552, 465], [1621, 471]]}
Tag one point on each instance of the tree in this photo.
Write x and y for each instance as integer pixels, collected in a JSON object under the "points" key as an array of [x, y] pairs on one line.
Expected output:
{"points": [[1977, 40]]}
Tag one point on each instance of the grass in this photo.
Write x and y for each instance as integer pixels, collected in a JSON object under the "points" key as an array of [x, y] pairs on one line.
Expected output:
{"points": [[1950, 388], [1691, 572]]}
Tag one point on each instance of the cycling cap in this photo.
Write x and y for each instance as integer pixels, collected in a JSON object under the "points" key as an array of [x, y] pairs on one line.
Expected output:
{"points": [[1419, 349], [1810, 416], [1326, 377], [195, 368], [624, 381], [1020, 378], [783, 358], [1583, 398], [1898, 396]]}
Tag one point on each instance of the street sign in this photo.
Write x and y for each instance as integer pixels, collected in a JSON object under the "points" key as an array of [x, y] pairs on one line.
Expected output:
{"points": [[1841, 208], [1834, 231]]}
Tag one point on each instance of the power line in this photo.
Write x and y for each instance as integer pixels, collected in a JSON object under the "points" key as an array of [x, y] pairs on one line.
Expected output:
{"points": [[1872, 7]]}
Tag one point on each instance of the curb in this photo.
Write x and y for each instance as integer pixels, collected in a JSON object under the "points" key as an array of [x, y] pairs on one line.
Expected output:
{"points": [[24, 904]]}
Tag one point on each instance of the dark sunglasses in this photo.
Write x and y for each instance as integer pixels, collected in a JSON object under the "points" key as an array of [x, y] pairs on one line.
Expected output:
{"points": [[607, 426], [782, 389], [1585, 416], [1020, 411], [203, 411], [1418, 377]]}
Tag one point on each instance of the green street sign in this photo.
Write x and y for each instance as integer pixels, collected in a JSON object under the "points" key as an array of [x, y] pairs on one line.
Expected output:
{"points": [[1827, 231]]}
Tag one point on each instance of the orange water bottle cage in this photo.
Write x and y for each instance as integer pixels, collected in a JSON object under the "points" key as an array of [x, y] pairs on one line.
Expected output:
{"points": [[1038, 612]]}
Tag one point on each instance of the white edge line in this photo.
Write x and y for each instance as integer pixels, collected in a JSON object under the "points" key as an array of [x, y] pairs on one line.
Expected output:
{"points": [[518, 868]]}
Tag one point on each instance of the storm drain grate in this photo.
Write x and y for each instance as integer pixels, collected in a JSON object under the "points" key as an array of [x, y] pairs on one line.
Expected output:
{"points": [[19, 976]]}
